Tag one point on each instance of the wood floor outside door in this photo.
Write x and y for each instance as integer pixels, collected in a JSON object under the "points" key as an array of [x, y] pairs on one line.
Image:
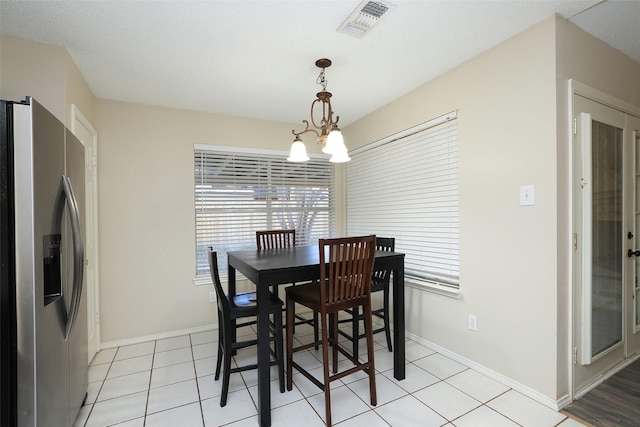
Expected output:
{"points": [[614, 403]]}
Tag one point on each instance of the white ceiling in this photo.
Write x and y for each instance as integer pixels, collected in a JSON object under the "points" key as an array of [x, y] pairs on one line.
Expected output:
{"points": [[257, 58]]}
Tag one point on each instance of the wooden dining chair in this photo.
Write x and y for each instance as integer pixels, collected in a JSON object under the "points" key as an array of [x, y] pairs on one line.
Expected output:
{"points": [[270, 239], [273, 239], [238, 307], [380, 282], [346, 266]]}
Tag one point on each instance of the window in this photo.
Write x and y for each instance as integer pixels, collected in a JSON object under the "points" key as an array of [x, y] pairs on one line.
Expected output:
{"points": [[406, 186], [237, 193]]}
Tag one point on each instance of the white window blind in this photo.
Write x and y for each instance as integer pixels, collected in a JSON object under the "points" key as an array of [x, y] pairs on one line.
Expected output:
{"points": [[239, 193], [406, 186]]}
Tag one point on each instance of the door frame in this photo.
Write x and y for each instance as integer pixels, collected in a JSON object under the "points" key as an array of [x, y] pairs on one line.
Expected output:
{"points": [[632, 132], [578, 88], [78, 120]]}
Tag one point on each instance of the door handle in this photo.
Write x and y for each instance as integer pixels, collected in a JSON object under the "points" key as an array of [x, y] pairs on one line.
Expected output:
{"points": [[65, 195], [631, 253], [78, 254]]}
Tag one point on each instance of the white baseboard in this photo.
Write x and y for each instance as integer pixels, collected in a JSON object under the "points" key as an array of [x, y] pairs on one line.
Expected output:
{"points": [[527, 391], [556, 405], [171, 334]]}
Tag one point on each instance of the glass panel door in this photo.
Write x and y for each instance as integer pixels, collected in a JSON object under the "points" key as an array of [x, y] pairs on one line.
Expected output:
{"points": [[633, 295], [606, 225], [636, 214], [602, 205]]}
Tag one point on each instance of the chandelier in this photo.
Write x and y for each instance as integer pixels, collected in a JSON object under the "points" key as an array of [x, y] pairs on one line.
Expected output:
{"points": [[327, 132]]}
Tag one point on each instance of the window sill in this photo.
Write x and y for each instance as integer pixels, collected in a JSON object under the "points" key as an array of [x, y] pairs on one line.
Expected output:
{"points": [[433, 287], [422, 285], [202, 280], [206, 281]]}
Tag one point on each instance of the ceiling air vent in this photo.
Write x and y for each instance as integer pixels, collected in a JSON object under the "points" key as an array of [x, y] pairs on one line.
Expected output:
{"points": [[366, 16]]}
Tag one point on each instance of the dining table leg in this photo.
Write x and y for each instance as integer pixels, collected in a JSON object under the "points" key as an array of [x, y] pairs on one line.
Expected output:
{"points": [[264, 357], [398, 322]]}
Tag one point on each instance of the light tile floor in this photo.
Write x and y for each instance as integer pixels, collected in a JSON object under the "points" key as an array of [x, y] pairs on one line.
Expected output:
{"points": [[170, 383]]}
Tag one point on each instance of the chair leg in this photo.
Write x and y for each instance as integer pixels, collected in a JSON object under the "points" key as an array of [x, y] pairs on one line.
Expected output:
{"points": [[325, 367], [333, 328], [387, 313], [279, 349], [219, 361], [316, 335], [327, 404], [294, 319], [290, 321], [371, 371], [355, 330], [226, 371]]}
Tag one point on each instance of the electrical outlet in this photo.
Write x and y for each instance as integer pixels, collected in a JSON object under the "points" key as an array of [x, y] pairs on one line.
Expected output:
{"points": [[212, 297], [473, 322]]}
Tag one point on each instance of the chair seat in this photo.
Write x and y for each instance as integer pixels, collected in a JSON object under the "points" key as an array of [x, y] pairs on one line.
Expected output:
{"points": [[306, 294], [243, 305], [309, 295], [247, 301]]}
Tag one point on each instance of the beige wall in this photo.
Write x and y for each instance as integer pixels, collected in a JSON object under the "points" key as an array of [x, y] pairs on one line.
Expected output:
{"points": [[147, 224], [45, 72], [77, 92], [506, 101], [585, 58], [33, 69]]}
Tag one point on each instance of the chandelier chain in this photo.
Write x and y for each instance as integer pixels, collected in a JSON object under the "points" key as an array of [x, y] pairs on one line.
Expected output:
{"points": [[322, 81]]}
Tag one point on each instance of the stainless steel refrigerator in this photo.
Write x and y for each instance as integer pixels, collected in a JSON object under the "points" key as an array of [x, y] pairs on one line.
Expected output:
{"points": [[43, 323]]}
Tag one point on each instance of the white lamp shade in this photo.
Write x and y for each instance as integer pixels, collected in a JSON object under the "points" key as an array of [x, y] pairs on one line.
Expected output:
{"points": [[340, 157], [298, 152], [335, 142]]}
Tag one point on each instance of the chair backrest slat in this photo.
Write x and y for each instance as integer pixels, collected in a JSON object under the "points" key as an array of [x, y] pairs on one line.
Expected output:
{"points": [[221, 296], [387, 244], [272, 239], [346, 266]]}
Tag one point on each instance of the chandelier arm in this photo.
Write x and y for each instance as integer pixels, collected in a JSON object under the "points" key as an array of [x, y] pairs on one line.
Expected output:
{"points": [[306, 129], [326, 102], [312, 118]]}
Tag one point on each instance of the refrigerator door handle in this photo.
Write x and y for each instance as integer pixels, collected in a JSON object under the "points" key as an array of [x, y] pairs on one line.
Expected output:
{"points": [[65, 193]]}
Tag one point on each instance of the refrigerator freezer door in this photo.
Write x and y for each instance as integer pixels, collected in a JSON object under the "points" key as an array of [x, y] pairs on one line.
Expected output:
{"points": [[8, 379]]}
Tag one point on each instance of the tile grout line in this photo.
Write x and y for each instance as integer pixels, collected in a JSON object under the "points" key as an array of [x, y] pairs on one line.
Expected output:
{"points": [[195, 372], [146, 406], [93, 404]]}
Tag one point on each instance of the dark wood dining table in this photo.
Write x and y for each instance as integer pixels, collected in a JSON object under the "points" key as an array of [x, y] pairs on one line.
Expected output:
{"points": [[274, 267]]}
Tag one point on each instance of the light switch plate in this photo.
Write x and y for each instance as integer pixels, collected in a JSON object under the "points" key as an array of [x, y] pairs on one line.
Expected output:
{"points": [[527, 193]]}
